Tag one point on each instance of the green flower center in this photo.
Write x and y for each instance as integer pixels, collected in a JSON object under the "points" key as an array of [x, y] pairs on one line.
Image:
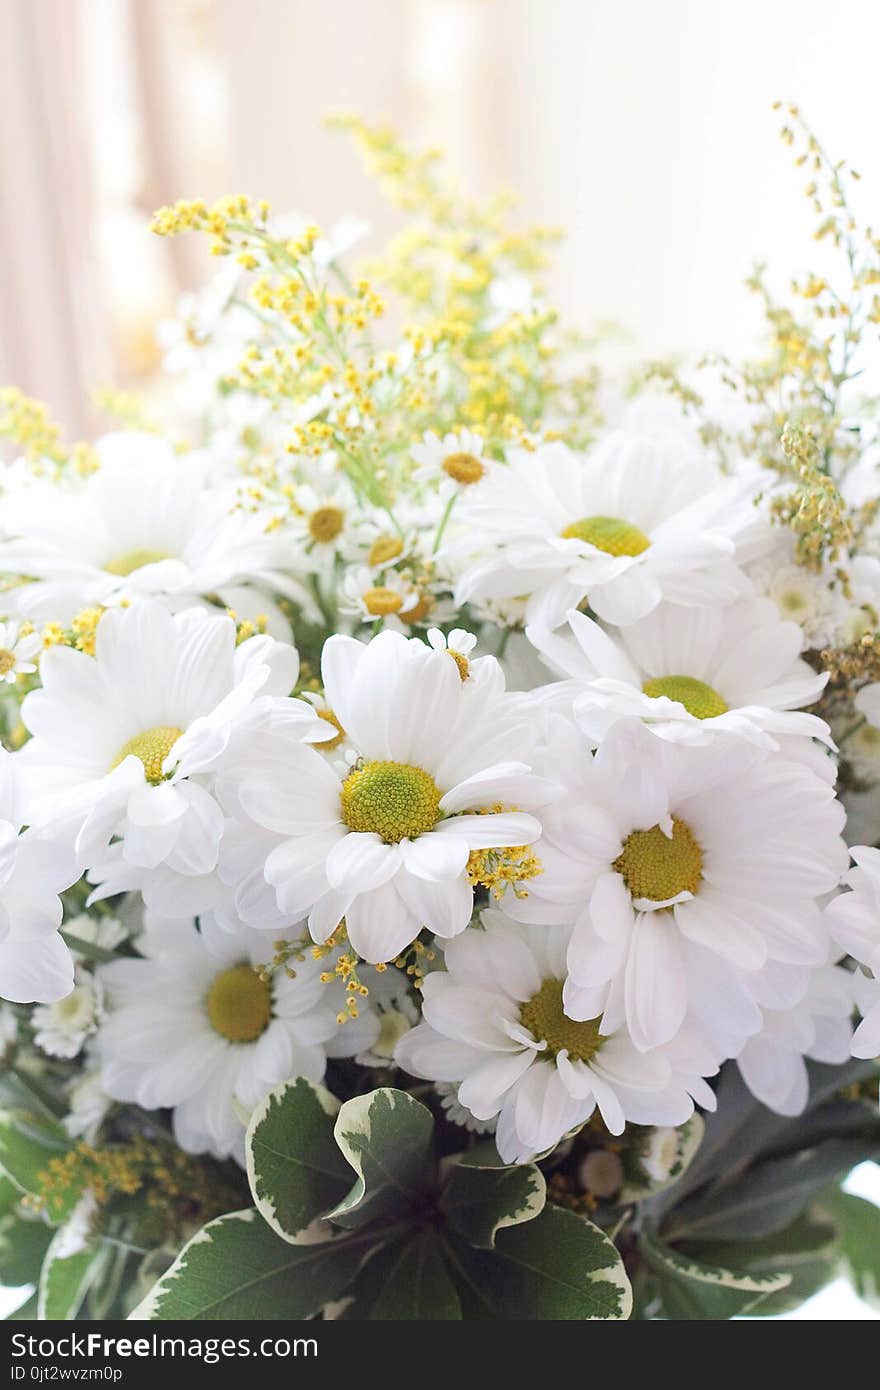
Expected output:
{"points": [[394, 800], [699, 699], [152, 747], [659, 866], [239, 1004], [548, 1022], [608, 533], [134, 560]]}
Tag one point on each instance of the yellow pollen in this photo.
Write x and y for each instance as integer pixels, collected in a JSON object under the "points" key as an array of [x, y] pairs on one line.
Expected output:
{"points": [[330, 717], [657, 866], [132, 560], [381, 602], [239, 1004], [608, 533], [325, 524], [152, 747], [7, 661], [699, 699], [419, 610], [394, 800], [548, 1022], [463, 468], [383, 549], [461, 661]]}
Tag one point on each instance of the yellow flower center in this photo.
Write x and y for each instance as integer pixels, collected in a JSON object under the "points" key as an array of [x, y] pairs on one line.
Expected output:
{"points": [[325, 524], [463, 468], [699, 699], [7, 661], [659, 866], [419, 610], [239, 1004], [608, 533], [394, 800], [152, 747], [381, 601], [548, 1022], [383, 549], [132, 560], [330, 717], [461, 661]]}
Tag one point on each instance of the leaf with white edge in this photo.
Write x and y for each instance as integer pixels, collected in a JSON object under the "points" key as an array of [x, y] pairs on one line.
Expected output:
{"points": [[65, 1277], [807, 1251], [23, 1245], [294, 1166], [407, 1281], [858, 1232], [480, 1202], [557, 1267], [692, 1291], [386, 1136], [236, 1268], [683, 1143]]}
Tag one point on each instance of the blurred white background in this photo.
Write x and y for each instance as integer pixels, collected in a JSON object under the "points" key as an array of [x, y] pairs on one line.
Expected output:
{"points": [[644, 129]]}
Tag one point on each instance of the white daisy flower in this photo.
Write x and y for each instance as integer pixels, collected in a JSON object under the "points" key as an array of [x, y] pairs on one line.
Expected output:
{"points": [[389, 597], [124, 743], [853, 918], [387, 846], [495, 1023], [866, 1038], [17, 652], [631, 524], [62, 1028], [35, 963], [685, 869], [88, 1101], [145, 523], [451, 464], [690, 673], [194, 1027]]}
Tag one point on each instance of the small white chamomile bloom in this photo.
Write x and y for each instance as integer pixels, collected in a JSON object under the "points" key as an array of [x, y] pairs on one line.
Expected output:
{"points": [[194, 1027], [634, 522], [387, 846], [451, 464], [388, 597], [62, 1029], [690, 673], [494, 1023], [18, 651]]}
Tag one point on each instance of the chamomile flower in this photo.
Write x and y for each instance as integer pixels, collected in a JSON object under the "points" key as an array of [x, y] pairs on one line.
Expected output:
{"points": [[17, 652], [685, 870], [632, 523], [494, 1022], [388, 846], [63, 1028], [454, 462], [35, 963], [195, 1027], [124, 743], [690, 673], [388, 598], [145, 523]]}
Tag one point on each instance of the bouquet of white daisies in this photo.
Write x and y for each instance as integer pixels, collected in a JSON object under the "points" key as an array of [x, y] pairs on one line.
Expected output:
{"points": [[423, 884]]}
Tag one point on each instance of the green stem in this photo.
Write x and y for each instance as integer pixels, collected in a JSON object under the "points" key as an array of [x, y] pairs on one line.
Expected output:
{"points": [[447, 512]]}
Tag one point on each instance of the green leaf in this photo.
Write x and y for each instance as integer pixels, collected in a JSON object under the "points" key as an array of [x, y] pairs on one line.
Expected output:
{"points": [[407, 1281], [26, 1146], [692, 1291], [558, 1266], [23, 1245], [237, 1268], [65, 1279], [386, 1136], [479, 1202], [807, 1250], [294, 1165], [639, 1185], [858, 1230], [766, 1197]]}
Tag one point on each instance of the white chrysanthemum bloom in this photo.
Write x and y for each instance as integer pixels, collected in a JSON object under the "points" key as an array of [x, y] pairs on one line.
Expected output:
{"points": [[691, 673], [866, 1038], [88, 1101], [819, 1027], [124, 743], [451, 464], [389, 597], [685, 870], [145, 523], [495, 1023], [35, 963], [63, 1028], [634, 522], [192, 1026], [854, 918], [99, 930], [17, 652], [387, 846]]}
